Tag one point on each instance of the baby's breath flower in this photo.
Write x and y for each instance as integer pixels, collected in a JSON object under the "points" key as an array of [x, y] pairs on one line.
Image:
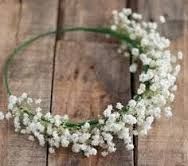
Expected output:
{"points": [[104, 153], [2, 116], [180, 55], [168, 112], [113, 27], [162, 19], [8, 115], [31, 138], [108, 110], [133, 68], [141, 89], [24, 95], [153, 97], [119, 106], [130, 146], [135, 51], [38, 101], [51, 150]]}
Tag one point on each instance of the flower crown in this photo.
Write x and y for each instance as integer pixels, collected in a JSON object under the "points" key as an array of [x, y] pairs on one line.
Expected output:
{"points": [[157, 80]]}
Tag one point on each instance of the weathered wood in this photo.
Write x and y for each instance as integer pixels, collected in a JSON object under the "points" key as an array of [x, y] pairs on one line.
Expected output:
{"points": [[86, 80], [87, 75], [87, 13], [7, 33], [31, 72], [167, 142]]}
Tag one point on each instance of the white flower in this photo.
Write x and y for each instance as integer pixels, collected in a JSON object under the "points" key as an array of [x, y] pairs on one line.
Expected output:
{"points": [[119, 106], [137, 16], [174, 88], [114, 12], [75, 137], [126, 54], [132, 36], [76, 148], [24, 95], [129, 119], [57, 120], [101, 121], [171, 97], [51, 150], [90, 151], [124, 134], [107, 111], [168, 112], [29, 100], [13, 99], [149, 121], [107, 137], [64, 142], [104, 153], [144, 42], [127, 11], [153, 87], [84, 137], [141, 89], [65, 118], [143, 132], [2, 116], [133, 68], [38, 101], [38, 109], [49, 130], [156, 112], [130, 146], [119, 51], [162, 19], [31, 138], [95, 140], [111, 147], [114, 27], [180, 55], [132, 103], [10, 106], [135, 51], [86, 126], [8, 115]]}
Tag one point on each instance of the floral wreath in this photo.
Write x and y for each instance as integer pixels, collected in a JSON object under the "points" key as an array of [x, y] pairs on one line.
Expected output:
{"points": [[157, 80]]}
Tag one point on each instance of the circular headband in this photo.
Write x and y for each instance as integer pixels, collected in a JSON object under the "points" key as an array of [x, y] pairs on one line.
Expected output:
{"points": [[141, 41]]}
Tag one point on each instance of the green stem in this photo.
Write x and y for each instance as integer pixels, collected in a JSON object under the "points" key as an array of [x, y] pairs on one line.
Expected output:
{"points": [[21, 47]]}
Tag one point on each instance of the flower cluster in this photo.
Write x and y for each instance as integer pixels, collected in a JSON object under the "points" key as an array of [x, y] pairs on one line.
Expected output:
{"points": [[153, 98], [159, 67]]}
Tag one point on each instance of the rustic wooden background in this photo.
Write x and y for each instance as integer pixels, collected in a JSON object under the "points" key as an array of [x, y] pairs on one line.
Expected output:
{"points": [[79, 74]]}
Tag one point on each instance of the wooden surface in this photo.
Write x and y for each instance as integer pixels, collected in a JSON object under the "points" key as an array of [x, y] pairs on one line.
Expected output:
{"points": [[167, 143], [79, 74]]}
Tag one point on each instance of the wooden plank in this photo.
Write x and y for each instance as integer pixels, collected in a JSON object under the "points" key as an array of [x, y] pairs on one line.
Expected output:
{"points": [[7, 33], [87, 13], [87, 76], [167, 142], [31, 72], [84, 85]]}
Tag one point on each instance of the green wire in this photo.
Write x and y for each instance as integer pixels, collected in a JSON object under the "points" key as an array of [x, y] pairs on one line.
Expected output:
{"points": [[103, 30], [22, 46]]}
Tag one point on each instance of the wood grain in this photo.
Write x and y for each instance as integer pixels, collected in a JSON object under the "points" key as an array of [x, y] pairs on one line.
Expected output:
{"points": [[7, 33], [87, 74], [31, 72], [86, 80], [87, 13], [167, 143]]}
